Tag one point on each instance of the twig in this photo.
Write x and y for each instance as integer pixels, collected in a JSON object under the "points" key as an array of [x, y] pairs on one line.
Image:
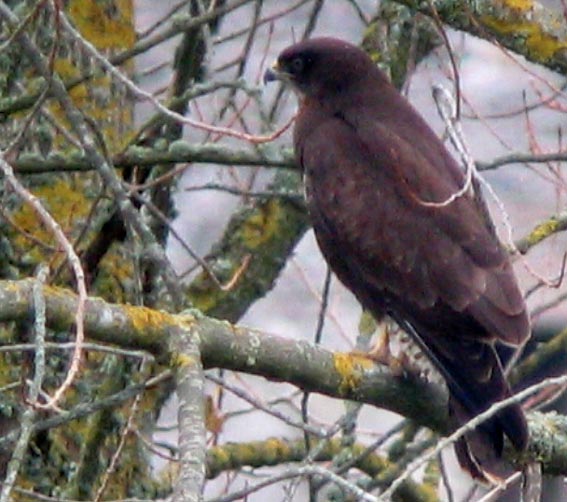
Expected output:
{"points": [[309, 470], [147, 96], [445, 105], [97, 347], [470, 425], [447, 110], [305, 397], [83, 131], [456, 75], [316, 431], [118, 451], [86, 409], [494, 494], [445, 479], [293, 197], [29, 415]]}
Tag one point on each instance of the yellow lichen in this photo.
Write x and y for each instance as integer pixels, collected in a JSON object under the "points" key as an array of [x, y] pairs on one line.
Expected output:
{"points": [[544, 46], [106, 109], [115, 275], [222, 456], [541, 231], [368, 37], [180, 360], [107, 25], [367, 324], [204, 294], [350, 367], [145, 319], [540, 45], [66, 204], [520, 5], [276, 448], [262, 225]]}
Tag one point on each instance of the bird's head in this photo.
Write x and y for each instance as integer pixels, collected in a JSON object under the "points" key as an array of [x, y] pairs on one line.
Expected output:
{"points": [[320, 65]]}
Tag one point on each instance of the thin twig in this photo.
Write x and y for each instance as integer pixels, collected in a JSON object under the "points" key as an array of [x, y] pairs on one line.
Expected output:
{"points": [[469, 426], [494, 494], [299, 472], [147, 96], [28, 417], [257, 404], [123, 437]]}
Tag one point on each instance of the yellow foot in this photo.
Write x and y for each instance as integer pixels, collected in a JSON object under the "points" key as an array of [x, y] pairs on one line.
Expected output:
{"points": [[382, 354]]}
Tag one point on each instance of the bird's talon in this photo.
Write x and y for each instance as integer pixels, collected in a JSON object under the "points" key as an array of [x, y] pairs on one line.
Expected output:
{"points": [[398, 365]]}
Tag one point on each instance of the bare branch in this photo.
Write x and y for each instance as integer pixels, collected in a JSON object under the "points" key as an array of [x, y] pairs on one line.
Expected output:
{"points": [[191, 415]]}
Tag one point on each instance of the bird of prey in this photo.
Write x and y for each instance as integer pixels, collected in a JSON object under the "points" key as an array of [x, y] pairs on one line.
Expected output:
{"points": [[379, 186]]}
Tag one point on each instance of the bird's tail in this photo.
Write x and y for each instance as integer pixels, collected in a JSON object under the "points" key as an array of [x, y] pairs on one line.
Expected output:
{"points": [[473, 372], [480, 451]]}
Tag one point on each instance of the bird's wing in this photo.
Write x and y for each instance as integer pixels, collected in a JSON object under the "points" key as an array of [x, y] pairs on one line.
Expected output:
{"points": [[371, 223]]}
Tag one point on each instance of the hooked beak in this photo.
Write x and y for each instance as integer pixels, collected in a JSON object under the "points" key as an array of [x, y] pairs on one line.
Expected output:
{"points": [[272, 73]]}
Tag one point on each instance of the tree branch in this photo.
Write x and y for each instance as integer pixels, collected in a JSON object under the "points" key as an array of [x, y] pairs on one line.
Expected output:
{"points": [[542, 231], [191, 417], [527, 28], [274, 451], [311, 368], [261, 237], [178, 152]]}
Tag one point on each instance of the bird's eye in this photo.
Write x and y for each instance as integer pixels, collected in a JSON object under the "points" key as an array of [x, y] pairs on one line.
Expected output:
{"points": [[296, 65]]}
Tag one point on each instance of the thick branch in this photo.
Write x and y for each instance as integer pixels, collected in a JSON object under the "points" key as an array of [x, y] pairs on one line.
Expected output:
{"points": [[311, 368], [179, 152], [527, 27], [273, 451]]}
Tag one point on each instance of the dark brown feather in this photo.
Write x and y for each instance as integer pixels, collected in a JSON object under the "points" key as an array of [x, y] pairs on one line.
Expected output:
{"points": [[371, 165]]}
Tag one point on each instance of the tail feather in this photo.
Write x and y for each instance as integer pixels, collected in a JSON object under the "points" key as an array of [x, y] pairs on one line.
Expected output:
{"points": [[473, 372], [480, 451]]}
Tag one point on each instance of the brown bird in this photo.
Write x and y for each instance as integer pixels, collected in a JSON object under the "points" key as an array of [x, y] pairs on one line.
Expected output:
{"points": [[377, 182]]}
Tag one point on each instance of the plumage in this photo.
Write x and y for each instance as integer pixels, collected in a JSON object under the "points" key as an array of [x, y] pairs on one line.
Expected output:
{"points": [[375, 177]]}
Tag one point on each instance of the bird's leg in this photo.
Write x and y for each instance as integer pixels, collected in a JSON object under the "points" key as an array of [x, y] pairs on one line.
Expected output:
{"points": [[381, 352]]}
